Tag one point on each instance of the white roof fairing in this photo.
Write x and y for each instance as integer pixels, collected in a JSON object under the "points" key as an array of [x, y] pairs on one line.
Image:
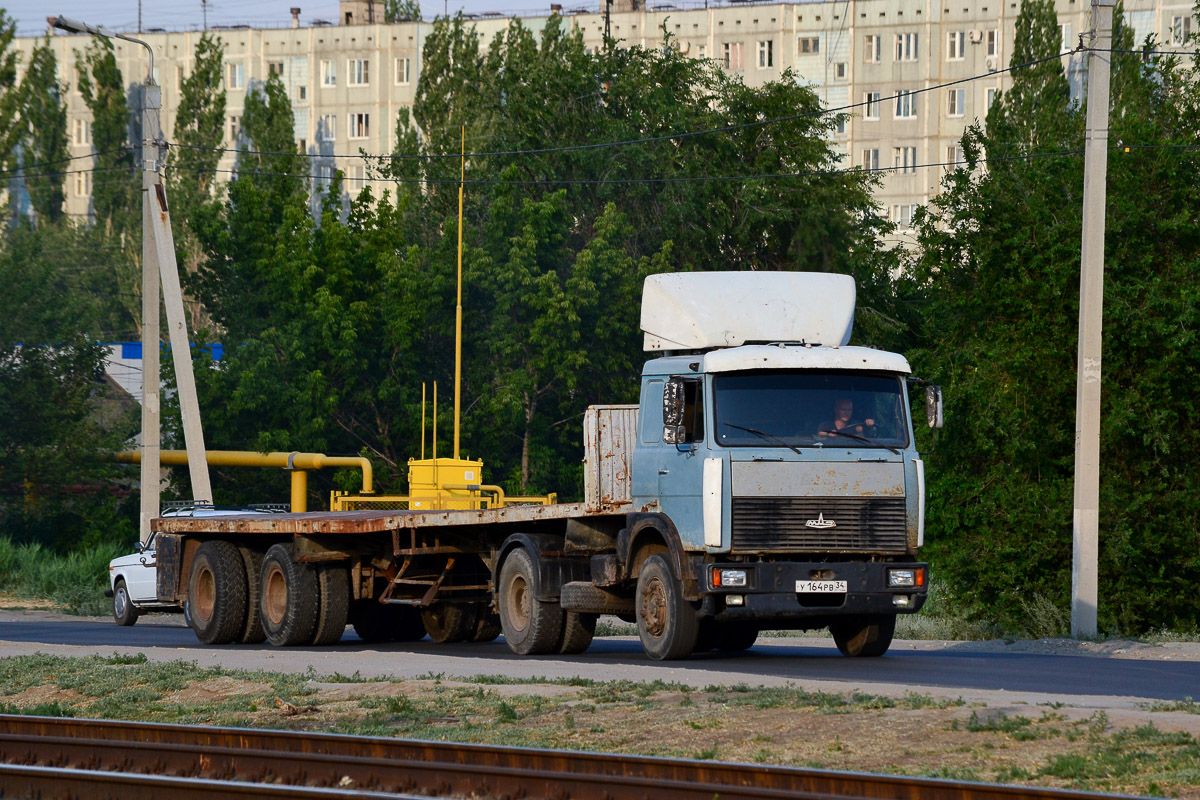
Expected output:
{"points": [[703, 310]]}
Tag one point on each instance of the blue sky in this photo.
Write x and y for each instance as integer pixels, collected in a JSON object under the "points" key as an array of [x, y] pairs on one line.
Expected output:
{"points": [[122, 15]]}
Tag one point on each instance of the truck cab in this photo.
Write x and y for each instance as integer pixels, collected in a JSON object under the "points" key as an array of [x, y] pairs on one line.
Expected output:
{"points": [[781, 458]]}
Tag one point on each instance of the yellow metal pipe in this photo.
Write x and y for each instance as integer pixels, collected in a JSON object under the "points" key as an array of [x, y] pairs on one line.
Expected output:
{"points": [[299, 490], [479, 487], [246, 458]]}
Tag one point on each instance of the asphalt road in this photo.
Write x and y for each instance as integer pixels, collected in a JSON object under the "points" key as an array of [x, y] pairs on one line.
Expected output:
{"points": [[943, 668]]}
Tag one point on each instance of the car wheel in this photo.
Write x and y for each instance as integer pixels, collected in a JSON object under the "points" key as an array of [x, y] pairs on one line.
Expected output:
{"points": [[124, 612]]}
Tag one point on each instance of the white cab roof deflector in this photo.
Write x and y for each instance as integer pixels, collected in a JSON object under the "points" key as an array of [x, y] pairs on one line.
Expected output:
{"points": [[800, 357], [704, 310]]}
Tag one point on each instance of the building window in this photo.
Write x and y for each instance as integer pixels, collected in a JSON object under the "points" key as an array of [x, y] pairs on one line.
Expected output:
{"points": [[872, 49], [327, 128], [902, 215], [953, 156], [236, 77], [702, 52], [872, 105], [732, 55], [81, 184], [328, 73], [956, 45], [840, 125], [993, 43], [906, 105], [904, 159], [234, 128], [1064, 35], [766, 54], [810, 45], [302, 92], [275, 68], [360, 126], [302, 145], [82, 132], [989, 97], [840, 70], [906, 47], [403, 74], [359, 72], [1181, 29], [870, 159], [179, 76], [954, 102]]}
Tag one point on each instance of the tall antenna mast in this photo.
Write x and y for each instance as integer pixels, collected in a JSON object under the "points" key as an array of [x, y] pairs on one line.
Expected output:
{"points": [[458, 307], [204, 8]]}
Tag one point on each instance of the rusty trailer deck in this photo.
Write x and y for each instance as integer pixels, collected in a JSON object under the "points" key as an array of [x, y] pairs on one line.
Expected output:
{"points": [[359, 522]]}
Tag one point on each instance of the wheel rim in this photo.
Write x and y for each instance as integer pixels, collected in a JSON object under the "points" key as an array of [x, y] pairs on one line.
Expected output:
{"points": [[518, 603], [275, 597], [121, 602], [654, 607], [206, 595]]}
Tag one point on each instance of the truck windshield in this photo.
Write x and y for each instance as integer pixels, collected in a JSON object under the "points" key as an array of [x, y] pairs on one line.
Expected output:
{"points": [[809, 409]]}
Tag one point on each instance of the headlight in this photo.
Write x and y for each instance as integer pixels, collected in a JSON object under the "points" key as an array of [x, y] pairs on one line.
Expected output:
{"points": [[902, 577], [728, 577]]}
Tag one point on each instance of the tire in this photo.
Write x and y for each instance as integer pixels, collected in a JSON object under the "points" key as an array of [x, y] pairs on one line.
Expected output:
{"points": [[736, 639], [707, 636], [384, 622], [530, 626], [124, 611], [487, 624], [252, 631], [333, 586], [217, 593], [289, 598], [447, 623], [864, 637], [578, 629], [667, 624]]}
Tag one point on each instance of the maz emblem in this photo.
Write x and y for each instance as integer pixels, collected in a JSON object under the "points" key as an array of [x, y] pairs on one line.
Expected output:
{"points": [[820, 522]]}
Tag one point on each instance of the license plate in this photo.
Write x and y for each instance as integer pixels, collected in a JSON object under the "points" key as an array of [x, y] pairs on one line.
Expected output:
{"points": [[819, 587]]}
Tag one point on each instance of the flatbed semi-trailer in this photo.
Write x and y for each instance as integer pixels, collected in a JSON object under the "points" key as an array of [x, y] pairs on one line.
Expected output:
{"points": [[767, 478]]}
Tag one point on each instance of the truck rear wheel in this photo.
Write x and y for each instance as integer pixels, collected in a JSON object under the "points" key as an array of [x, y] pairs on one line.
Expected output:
{"points": [[217, 593], [667, 624], [578, 630], [290, 598], [252, 631], [333, 586], [386, 622], [864, 637], [447, 623], [531, 627], [487, 624]]}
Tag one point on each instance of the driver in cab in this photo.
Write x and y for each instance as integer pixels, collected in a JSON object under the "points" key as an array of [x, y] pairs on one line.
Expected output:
{"points": [[843, 420]]}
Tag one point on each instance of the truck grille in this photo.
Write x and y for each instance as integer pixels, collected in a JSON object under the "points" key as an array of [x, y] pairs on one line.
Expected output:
{"points": [[777, 524]]}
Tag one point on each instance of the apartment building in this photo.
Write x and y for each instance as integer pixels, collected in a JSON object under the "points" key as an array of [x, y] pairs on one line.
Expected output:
{"points": [[879, 58]]}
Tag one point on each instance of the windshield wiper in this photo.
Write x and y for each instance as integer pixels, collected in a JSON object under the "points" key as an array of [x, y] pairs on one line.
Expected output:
{"points": [[866, 439], [768, 436]]}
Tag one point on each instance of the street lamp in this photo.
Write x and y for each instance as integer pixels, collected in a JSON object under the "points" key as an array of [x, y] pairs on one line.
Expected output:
{"points": [[158, 258]]}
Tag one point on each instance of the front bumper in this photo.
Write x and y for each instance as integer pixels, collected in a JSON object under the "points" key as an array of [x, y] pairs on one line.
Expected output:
{"points": [[769, 597]]}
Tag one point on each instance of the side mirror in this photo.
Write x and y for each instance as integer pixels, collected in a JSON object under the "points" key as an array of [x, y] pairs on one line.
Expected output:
{"points": [[673, 402], [935, 414]]}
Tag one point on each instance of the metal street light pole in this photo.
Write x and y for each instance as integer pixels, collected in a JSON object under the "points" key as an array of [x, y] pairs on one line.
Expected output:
{"points": [[158, 259]]}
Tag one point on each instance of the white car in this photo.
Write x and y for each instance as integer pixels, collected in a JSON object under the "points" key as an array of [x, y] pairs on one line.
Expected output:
{"points": [[133, 578]]}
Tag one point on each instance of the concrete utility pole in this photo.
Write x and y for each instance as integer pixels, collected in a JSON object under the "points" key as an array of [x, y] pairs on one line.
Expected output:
{"points": [[158, 259], [1085, 539]]}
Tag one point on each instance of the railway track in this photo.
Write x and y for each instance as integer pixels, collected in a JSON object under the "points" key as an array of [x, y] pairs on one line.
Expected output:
{"points": [[87, 759]]}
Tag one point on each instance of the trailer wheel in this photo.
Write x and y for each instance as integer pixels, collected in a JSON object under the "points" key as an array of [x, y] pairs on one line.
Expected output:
{"points": [[531, 627], [289, 598], [217, 592], [333, 583], [487, 624], [386, 622], [124, 611], [667, 624], [447, 623], [864, 637], [578, 630], [252, 631]]}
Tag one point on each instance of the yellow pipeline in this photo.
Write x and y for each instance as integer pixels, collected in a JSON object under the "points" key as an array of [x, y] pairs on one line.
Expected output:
{"points": [[298, 463]]}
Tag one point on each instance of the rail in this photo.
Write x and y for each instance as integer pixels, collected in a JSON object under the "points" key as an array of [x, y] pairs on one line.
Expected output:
{"points": [[100, 758]]}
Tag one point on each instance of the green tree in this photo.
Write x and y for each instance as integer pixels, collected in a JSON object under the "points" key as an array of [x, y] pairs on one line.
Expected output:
{"points": [[9, 98], [44, 152], [115, 186], [199, 127], [401, 11], [997, 278]]}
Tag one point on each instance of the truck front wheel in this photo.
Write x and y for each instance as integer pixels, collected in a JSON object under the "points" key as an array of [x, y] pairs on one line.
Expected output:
{"points": [[667, 624], [864, 637], [289, 597], [530, 626]]}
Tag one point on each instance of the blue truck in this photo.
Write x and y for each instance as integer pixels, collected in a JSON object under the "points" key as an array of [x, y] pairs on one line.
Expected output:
{"points": [[767, 479]]}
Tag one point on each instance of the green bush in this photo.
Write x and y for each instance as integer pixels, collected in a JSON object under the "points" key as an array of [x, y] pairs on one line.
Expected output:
{"points": [[74, 580]]}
